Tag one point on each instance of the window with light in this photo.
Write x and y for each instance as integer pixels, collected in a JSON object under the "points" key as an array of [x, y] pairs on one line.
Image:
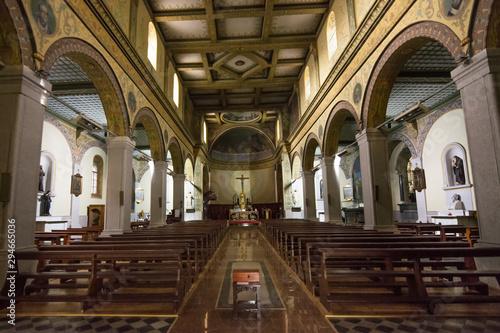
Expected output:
{"points": [[331, 32], [307, 82], [152, 44], [97, 174], [176, 90]]}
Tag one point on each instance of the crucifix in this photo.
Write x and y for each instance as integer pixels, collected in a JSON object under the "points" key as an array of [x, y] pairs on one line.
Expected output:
{"points": [[243, 197], [242, 181]]}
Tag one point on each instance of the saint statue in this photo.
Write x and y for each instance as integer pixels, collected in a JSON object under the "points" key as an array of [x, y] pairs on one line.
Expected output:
{"points": [[458, 169], [40, 179], [295, 198], [189, 200], [456, 203], [45, 204]]}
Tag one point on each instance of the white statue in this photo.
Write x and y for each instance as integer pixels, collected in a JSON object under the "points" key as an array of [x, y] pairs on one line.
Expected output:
{"points": [[456, 204], [189, 200], [295, 195]]}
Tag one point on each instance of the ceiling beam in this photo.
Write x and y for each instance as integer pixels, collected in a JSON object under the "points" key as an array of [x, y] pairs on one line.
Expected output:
{"points": [[208, 73], [225, 13], [274, 62], [212, 28], [241, 44], [268, 20], [198, 97], [249, 83], [257, 96], [240, 108], [82, 87]]}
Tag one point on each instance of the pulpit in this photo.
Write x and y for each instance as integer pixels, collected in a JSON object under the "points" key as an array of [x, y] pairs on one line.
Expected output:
{"points": [[246, 280]]}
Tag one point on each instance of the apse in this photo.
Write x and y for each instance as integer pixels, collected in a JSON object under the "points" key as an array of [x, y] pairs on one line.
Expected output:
{"points": [[242, 145]]}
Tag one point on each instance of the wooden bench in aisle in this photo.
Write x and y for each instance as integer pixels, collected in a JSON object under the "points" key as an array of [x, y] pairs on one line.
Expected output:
{"points": [[419, 284]]}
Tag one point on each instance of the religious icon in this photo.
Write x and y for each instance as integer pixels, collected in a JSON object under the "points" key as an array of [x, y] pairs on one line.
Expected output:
{"points": [[457, 165], [44, 16], [40, 179], [452, 7], [45, 204], [139, 195], [76, 184], [348, 192], [419, 179]]}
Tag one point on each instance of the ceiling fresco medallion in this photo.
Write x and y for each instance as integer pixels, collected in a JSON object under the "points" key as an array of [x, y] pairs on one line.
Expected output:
{"points": [[241, 117], [356, 95], [44, 16]]}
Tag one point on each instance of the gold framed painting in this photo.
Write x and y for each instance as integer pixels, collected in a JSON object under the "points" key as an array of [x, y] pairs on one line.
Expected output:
{"points": [[76, 184]]}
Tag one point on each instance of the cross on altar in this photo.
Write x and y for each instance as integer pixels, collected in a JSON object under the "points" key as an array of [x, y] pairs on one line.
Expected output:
{"points": [[242, 179]]}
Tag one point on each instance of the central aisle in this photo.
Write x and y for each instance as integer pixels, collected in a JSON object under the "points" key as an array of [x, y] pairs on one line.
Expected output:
{"points": [[285, 308]]}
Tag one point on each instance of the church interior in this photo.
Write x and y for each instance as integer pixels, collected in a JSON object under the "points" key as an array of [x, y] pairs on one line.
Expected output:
{"points": [[250, 165]]}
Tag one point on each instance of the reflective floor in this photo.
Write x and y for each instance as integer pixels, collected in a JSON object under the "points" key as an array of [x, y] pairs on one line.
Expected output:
{"points": [[286, 305]]}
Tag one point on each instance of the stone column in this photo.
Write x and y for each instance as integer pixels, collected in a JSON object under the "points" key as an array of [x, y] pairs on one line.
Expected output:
{"points": [[158, 191], [377, 196], [119, 190], [179, 193], [23, 97], [479, 85], [331, 191], [309, 195]]}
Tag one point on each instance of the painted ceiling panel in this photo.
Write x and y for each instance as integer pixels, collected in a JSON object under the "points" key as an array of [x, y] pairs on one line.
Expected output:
{"points": [[239, 101], [239, 27], [187, 58], [240, 91], [193, 75], [238, 3], [287, 71], [292, 53], [194, 29], [207, 102], [295, 24], [273, 99], [240, 64], [195, 91]]}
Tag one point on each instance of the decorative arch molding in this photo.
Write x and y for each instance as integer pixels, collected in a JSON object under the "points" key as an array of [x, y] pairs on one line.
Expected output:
{"points": [[392, 61], [87, 146], [153, 130], [176, 154], [347, 163], [457, 104], [24, 39], [142, 172], [96, 67], [485, 31], [310, 148], [292, 164], [334, 126], [399, 136], [69, 137]]}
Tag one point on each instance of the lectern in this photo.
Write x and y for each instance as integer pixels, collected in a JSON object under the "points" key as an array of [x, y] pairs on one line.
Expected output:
{"points": [[246, 280]]}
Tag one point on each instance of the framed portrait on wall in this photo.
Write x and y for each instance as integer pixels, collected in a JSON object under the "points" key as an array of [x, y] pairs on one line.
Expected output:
{"points": [[76, 184], [348, 193], [139, 195], [419, 179]]}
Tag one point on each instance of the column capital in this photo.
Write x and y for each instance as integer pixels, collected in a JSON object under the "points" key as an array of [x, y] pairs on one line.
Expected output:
{"points": [[370, 134], [120, 142], [161, 165], [307, 174], [327, 161], [485, 62], [179, 177], [21, 79]]}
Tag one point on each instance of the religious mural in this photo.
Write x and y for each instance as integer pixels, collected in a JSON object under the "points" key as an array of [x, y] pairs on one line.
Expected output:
{"points": [[242, 144], [44, 16]]}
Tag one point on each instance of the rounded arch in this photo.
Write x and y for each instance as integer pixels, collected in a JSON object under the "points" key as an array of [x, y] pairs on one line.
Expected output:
{"points": [[486, 27], [392, 61], [87, 146], [312, 143], [189, 168], [101, 74], [16, 39], [296, 165], [225, 131], [334, 125], [176, 154], [398, 136], [153, 130]]}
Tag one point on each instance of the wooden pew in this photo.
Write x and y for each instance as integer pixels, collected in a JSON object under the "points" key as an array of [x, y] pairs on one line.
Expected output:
{"points": [[415, 285], [109, 275]]}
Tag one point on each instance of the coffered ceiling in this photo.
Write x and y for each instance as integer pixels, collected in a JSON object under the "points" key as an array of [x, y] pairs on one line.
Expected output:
{"points": [[239, 55]]}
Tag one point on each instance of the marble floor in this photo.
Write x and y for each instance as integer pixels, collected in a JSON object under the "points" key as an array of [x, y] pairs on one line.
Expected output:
{"points": [[286, 305]]}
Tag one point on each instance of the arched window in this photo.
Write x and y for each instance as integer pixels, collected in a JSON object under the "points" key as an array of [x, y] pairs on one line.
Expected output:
{"points": [[331, 32], [97, 175], [175, 92], [152, 44], [307, 82], [204, 132]]}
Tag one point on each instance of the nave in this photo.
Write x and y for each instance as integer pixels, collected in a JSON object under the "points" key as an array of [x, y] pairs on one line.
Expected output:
{"points": [[287, 305]]}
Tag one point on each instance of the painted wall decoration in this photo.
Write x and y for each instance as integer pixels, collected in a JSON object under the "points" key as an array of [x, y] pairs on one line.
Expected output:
{"points": [[132, 104], [44, 16], [356, 95], [332, 34], [241, 117], [242, 145], [452, 7]]}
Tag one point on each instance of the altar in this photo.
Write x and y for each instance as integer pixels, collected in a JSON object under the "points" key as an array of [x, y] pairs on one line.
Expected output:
{"points": [[243, 215]]}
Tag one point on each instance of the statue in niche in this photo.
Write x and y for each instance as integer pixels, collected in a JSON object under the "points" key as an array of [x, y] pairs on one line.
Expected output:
{"points": [[40, 179], [45, 204], [295, 198], [456, 203], [189, 200], [457, 165]]}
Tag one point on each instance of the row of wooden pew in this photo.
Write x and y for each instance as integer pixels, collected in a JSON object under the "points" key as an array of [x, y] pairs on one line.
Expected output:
{"points": [[351, 265], [151, 265]]}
